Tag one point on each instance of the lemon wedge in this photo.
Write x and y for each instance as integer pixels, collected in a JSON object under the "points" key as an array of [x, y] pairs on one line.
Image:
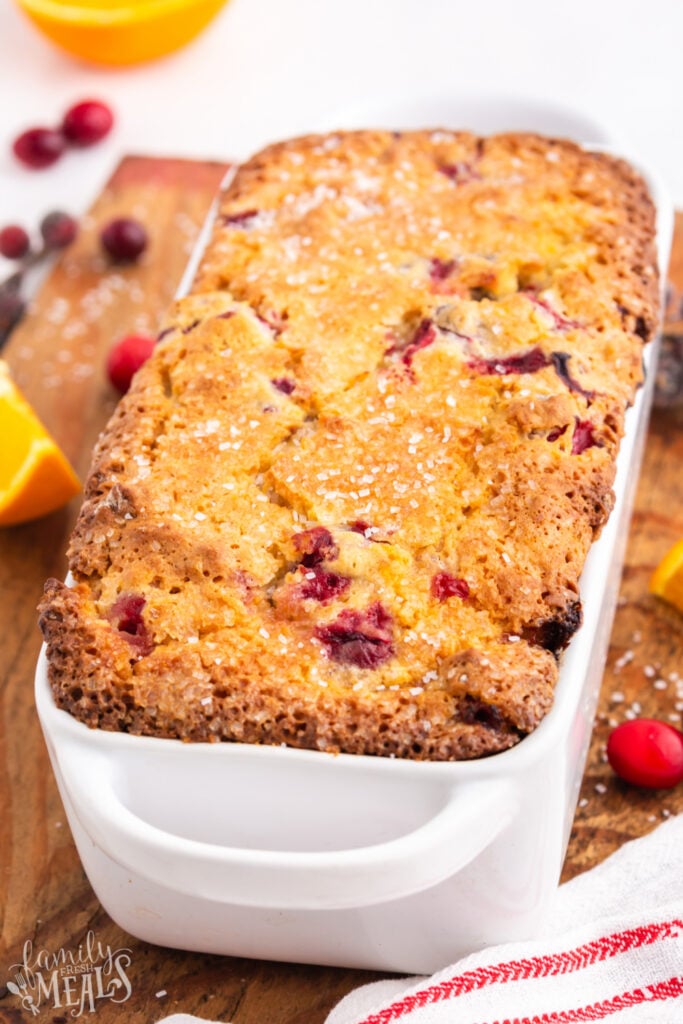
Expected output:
{"points": [[120, 31], [35, 476]]}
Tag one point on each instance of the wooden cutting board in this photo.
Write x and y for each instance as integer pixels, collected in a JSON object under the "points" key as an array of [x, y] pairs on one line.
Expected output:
{"points": [[57, 355]]}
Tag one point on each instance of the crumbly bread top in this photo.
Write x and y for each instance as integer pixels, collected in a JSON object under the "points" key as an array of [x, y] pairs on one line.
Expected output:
{"points": [[347, 502]]}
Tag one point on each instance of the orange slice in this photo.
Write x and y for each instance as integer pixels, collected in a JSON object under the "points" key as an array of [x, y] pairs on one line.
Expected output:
{"points": [[35, 477], [667, 580], [120, 31]]}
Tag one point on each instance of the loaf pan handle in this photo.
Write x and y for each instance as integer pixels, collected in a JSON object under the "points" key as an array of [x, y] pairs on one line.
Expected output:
{"points": [[469, 818]]}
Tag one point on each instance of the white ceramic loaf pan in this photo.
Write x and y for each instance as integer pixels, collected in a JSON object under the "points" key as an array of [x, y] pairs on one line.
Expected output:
{"points": [[347, 860]]}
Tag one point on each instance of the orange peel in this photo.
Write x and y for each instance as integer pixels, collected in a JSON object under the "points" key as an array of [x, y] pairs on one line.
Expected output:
{"points": [[120, 31]]}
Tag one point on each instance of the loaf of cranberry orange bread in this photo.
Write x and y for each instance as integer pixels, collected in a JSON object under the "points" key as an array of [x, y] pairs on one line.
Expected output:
{"points": [[347, 502]]}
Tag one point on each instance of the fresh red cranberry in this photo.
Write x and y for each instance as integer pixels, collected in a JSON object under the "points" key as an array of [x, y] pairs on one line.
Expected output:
{"points": [[14, 242], [58, 229], [126, 616], [527, 362], [444, 585], [360, 638], [39, 147], [126, 357], [583, 437], [87, 122], [284, 384], [124, 239], [647, 752], [321, 585], [315, 546]]}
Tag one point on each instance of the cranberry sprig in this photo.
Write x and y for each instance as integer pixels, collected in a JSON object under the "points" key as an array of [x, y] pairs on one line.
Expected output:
{"points": [[57, 230], [84, 124]]}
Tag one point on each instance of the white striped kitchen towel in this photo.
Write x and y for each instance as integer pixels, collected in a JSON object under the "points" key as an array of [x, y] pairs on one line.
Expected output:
{"points": [[611, 950]]}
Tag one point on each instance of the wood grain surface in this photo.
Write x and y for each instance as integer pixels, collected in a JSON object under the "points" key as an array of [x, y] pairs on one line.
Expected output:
{"points": [[57, 355]]}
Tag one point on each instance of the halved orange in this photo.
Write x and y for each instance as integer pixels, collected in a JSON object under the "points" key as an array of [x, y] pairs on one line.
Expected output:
{"points": [[667, 580], [35, 476], [120, 31]]}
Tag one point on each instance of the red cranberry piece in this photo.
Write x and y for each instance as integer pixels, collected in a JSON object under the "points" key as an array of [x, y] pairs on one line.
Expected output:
{"points": [[58, 229], [124, 239], [527, 362], [320, 585], [424, 335], [360, 526], [557, 432], [368, 530], [646, 752], [554, 634], [459, 172], [360, 638], [444, 585], [563, 323], [241, 220], [126, 357], [477, 712], [126, 616], [284, 384], [274, 322], [14, 242], [126, 612], [39, 147], [439, 270], [315, 546], [87, 122], [560, 361], [584, 437]]}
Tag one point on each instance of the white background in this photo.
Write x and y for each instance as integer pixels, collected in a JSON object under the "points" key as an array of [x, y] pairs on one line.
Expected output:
{"points": [[270, 68]]}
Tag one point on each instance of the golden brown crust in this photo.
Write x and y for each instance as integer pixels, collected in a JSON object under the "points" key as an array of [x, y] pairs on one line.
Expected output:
{"points": [[347, 502]]}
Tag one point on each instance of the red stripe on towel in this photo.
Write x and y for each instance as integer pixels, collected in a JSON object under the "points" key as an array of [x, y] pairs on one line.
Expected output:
{"points": [[535, 967], [658, 992]]}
